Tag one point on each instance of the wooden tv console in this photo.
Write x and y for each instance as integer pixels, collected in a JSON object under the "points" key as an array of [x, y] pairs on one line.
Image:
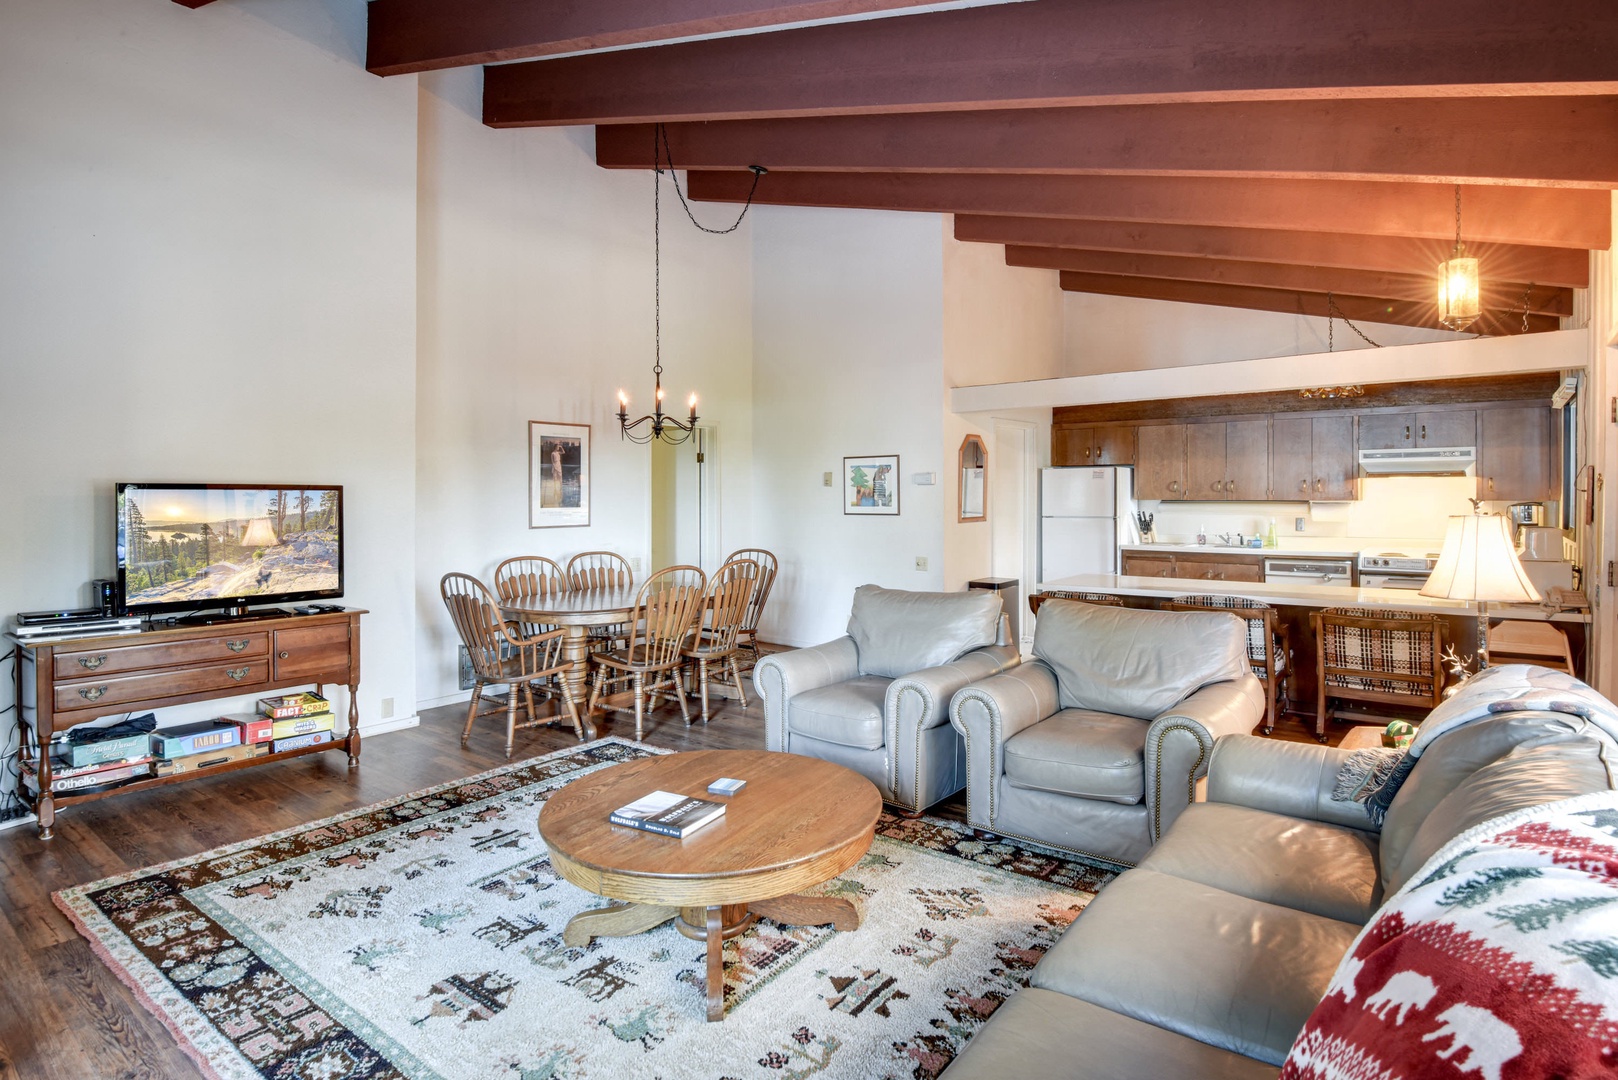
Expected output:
{"points": [[63, 683]]}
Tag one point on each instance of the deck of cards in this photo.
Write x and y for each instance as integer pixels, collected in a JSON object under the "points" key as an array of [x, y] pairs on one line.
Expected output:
{"points": [[726, 786]]}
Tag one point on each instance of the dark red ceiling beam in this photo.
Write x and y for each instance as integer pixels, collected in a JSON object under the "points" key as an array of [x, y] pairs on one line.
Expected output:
{"points": [[423, 35], [1497, 295], [193, 4], [1084, 52], [1548, 141], [1554, 217], [1358, 308], [1566, 267]]}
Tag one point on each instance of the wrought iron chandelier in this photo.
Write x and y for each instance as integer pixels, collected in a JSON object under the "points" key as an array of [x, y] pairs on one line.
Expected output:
{"points": [[657, 424]]}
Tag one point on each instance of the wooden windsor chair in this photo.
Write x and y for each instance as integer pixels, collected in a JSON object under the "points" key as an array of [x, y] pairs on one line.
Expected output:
{"points": [[728, 598], [768, 565], [601, 570], [527, 577], [667, 613], [501, 655]]}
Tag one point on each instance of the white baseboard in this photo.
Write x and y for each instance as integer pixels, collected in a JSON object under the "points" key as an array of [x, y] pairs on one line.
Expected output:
{"points": [[392, 723], [460, 697]]}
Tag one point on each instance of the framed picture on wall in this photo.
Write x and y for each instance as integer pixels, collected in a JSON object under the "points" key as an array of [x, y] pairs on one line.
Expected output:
{"points": [[558, 474], [871, 484]]}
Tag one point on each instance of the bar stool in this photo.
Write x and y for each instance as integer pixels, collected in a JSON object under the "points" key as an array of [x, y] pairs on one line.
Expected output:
{"points": [[1269, 648], [1376, 655]]}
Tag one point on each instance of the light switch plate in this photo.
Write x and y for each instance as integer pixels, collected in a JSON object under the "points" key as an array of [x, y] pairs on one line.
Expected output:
{"points": [[825, 479], [924, 479], [921, 562]]}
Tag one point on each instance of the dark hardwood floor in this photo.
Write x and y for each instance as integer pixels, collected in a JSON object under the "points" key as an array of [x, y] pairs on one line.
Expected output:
{"points": [[65, 1016]]}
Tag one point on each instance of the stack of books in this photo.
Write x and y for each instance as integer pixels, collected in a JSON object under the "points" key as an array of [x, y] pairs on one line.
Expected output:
{"points": [[297, 720], [668, 814], [39, 627]]}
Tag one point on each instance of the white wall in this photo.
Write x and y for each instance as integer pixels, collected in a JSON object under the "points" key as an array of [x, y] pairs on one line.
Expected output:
{"points": [[1122, 333], [208, 221], [847, 345], [536, 304], [1001, 324]]}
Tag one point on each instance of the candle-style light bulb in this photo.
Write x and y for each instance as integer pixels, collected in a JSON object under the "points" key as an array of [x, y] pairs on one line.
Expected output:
{"points": [[693, 407], [623, 402]]}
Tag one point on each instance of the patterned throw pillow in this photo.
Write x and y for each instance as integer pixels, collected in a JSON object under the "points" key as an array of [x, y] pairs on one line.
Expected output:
{"points": [[1499, 961]]}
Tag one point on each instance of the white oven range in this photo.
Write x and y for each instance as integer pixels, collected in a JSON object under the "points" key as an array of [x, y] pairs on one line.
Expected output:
{"points": [[1395, 569]]}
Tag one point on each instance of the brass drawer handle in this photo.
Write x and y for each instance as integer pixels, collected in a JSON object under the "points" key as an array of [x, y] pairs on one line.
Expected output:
{"points": [[90, 663], [92, 693], [236, 646], [237, 674]]}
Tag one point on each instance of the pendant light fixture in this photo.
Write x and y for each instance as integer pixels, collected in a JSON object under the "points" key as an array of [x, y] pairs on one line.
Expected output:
{"points": [[657, 424], [1458, 283]]}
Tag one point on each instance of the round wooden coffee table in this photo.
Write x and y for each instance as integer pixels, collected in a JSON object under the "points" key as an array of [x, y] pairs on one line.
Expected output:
{"points": [[798, 822]]}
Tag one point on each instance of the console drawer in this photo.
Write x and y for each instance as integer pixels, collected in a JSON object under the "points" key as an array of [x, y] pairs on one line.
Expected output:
{"points": [[90, 663], [308, 651], [107, 695]]}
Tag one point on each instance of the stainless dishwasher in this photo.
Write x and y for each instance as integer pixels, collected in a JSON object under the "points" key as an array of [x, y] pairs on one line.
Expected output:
{"points": [[1309, 571]]}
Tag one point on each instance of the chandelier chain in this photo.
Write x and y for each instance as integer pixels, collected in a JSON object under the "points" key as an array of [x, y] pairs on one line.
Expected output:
{"points": [[661, 153], [1333, 310], [1457, 248], [1525, 294]]}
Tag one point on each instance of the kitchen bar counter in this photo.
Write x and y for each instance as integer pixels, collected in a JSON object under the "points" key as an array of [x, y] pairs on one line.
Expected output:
{"points": [[1293, 595]]}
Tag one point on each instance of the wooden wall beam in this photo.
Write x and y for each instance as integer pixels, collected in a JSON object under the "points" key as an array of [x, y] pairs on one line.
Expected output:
{"points": [[1489, 389], [1359, 308], [1082, 52], [1565, 267], [423, 35], [1555, 217], [1497, 295], [1531, 140]]}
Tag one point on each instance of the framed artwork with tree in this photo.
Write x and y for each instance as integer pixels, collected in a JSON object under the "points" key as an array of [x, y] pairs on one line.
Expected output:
{"points": [[871, 485]]}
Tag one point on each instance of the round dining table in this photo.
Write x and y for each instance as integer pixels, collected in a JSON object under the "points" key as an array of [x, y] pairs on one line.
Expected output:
{"points": [[577, 611]]}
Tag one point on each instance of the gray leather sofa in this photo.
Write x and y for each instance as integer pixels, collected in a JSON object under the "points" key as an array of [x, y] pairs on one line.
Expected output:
{"points": [[1097, 745], [1206, 960], [877, 700]]}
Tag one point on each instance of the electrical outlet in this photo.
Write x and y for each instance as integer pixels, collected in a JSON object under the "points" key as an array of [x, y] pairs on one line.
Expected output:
{"points": [[387, 708], [921, 562], [1297, 524], [825, 479], [634, 564]]}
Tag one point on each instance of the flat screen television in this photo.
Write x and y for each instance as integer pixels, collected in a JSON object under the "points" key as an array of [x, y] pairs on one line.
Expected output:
{"points": [[187, 547]]}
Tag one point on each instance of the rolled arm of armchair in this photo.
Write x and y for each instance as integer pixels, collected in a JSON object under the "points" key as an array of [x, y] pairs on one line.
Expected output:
{"points": [[1294, 779], [1180, 743], [920, 701], [780, 675], [988, 713]]}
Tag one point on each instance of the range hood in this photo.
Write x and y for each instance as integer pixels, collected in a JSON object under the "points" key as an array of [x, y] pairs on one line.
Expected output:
{"points": [[1419, 461]]}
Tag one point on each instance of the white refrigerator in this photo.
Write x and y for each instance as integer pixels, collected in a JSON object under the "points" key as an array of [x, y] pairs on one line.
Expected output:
{"points": [[1084, 515]]}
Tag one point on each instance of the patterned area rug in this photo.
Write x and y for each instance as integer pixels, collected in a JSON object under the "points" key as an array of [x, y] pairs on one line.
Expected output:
{"points": [[421, 938]]}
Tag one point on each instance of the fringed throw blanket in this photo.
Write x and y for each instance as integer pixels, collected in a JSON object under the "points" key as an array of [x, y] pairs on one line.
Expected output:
{"points": [[1499, 960], [1495, 690]]}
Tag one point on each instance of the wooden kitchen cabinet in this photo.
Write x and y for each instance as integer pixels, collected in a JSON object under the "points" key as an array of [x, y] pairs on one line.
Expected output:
{"points": [[1160, 462], [1515, 455], [1214, 566], [1228, 461], [1102, 444], [1148, 565], [1404, 431], [1313, 458]]}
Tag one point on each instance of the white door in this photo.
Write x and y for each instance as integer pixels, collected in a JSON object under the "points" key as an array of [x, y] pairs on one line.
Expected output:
{"points": [[1069, 546]]}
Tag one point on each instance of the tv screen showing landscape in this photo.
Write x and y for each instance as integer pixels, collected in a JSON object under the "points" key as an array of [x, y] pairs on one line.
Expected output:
{"points": [[200, 545]]}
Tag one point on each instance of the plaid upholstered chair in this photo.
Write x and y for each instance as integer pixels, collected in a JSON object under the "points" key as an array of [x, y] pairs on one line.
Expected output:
{"points": [[1269, 648], [1104, 599], [1380, 656]]}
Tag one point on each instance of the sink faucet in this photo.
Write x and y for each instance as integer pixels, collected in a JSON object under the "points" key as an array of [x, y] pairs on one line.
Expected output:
{"points": [[1232, 540]]}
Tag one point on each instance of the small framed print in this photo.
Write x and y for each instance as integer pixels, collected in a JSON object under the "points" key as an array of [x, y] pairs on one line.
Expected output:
{"points": [[558, 474], [871, 484]]}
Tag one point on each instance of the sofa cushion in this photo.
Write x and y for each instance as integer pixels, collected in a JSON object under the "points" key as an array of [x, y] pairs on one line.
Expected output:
{"points": [[1532, 774], [899, 632], [1039, 1034], [1093, 755], [846, 713], [1307, 865], [1133, 662], [1220, 968]]}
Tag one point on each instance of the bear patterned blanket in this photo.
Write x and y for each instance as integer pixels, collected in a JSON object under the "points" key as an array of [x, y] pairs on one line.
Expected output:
{"points": [[1498, 961]]}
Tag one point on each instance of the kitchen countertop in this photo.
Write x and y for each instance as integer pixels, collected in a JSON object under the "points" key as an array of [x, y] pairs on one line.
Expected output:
{"points": [[1281, 552], [1317, 596]]}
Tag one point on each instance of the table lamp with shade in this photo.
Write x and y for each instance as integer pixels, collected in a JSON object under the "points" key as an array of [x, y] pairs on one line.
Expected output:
{"points": [[1479, 563]]}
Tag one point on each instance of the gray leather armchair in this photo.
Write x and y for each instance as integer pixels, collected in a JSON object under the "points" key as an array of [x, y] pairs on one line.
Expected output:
{"points": [[877, 700], [1096, 746]]}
